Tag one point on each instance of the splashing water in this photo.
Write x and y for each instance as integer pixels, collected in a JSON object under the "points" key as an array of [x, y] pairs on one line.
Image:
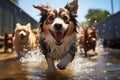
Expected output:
{"points": [[32, 56], [32, 66], [82, 65], [77, 64]]}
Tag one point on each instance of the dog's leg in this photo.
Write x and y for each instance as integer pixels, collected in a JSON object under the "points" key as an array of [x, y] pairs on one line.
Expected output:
{"points": [[64, 62], [51, 66], [86, 55]]}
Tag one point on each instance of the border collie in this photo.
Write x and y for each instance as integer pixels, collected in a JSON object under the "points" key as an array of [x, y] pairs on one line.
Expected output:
{"points": [[58, 34]]}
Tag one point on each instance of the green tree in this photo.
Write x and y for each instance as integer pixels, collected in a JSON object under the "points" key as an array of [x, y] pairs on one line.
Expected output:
{"points": [[96, 15]]}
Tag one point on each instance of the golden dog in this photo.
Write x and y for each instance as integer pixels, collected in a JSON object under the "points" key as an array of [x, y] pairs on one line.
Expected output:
{"points": [[24, 38]]}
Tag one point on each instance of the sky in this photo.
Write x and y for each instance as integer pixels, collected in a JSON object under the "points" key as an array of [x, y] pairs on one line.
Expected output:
{"points": [[84, 6]]}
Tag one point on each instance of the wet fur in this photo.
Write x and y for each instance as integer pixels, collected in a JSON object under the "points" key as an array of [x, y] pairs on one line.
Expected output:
{"points": [[88, 39], [29, 42], [50, 49], [64, 52]]}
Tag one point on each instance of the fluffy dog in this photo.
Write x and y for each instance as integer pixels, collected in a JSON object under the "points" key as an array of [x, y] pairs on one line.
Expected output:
{"points": [[24, 38], [88, 39], [58, 34]]}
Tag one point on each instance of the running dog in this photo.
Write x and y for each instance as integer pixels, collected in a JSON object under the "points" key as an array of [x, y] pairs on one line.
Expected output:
{"points": [[24, 38], [58, 34], [88, 39]]}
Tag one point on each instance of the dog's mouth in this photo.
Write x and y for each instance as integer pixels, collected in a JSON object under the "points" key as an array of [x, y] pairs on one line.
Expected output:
{"points": [[58, 36]]}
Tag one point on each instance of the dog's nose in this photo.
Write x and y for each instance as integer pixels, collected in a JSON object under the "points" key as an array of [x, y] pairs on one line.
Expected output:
{"points": [[58, 26], [22, 34]]}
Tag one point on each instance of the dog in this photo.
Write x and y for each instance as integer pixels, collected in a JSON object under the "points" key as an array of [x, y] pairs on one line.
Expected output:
{"points": [[88, 39], [58, 34], [8, 42], [24, 39]]}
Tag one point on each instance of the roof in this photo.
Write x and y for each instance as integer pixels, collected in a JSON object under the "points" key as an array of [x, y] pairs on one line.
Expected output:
{"points": [[11, 1]]}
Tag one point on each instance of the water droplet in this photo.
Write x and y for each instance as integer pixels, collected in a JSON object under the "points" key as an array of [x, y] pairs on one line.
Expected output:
{"points": [[108, 15], [104, 71], [104, 25], [95, 21], [103, 30], [108, 64], [89, 19], [116, 27]]}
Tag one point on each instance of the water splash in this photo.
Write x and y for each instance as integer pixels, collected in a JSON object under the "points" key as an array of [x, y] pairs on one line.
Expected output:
{"points": [[79, 64], [96, 68], [99, 45], [32, 56], [82, 65]]}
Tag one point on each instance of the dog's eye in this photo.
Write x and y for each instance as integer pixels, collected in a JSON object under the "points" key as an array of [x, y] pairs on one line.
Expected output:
{"points": [[19, 30], [50, 18], [65, 18], [24, 30]]}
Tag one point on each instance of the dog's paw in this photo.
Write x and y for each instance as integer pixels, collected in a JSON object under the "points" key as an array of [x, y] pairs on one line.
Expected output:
{"points": [[61, 66], [64, 62]]}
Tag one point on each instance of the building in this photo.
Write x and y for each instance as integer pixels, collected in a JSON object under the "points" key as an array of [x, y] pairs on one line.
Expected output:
{"points": [[10, 14]]}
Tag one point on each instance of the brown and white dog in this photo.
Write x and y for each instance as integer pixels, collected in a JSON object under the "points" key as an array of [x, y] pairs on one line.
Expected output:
{"points": [[24, 38], [58, 34], [88, 39]]}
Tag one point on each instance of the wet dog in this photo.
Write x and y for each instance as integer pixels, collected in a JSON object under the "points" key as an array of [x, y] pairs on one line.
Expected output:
{"points": [[58, 34], [88, 39], [24, 38]]}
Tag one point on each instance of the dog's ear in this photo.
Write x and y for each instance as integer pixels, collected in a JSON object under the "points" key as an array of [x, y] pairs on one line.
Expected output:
{"points": [[43, 8], [29, 26], [72, 7], [18, 24]]}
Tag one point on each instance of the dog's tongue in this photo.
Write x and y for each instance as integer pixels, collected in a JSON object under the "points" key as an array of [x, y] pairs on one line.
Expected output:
{"points": [[58, 36]]}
